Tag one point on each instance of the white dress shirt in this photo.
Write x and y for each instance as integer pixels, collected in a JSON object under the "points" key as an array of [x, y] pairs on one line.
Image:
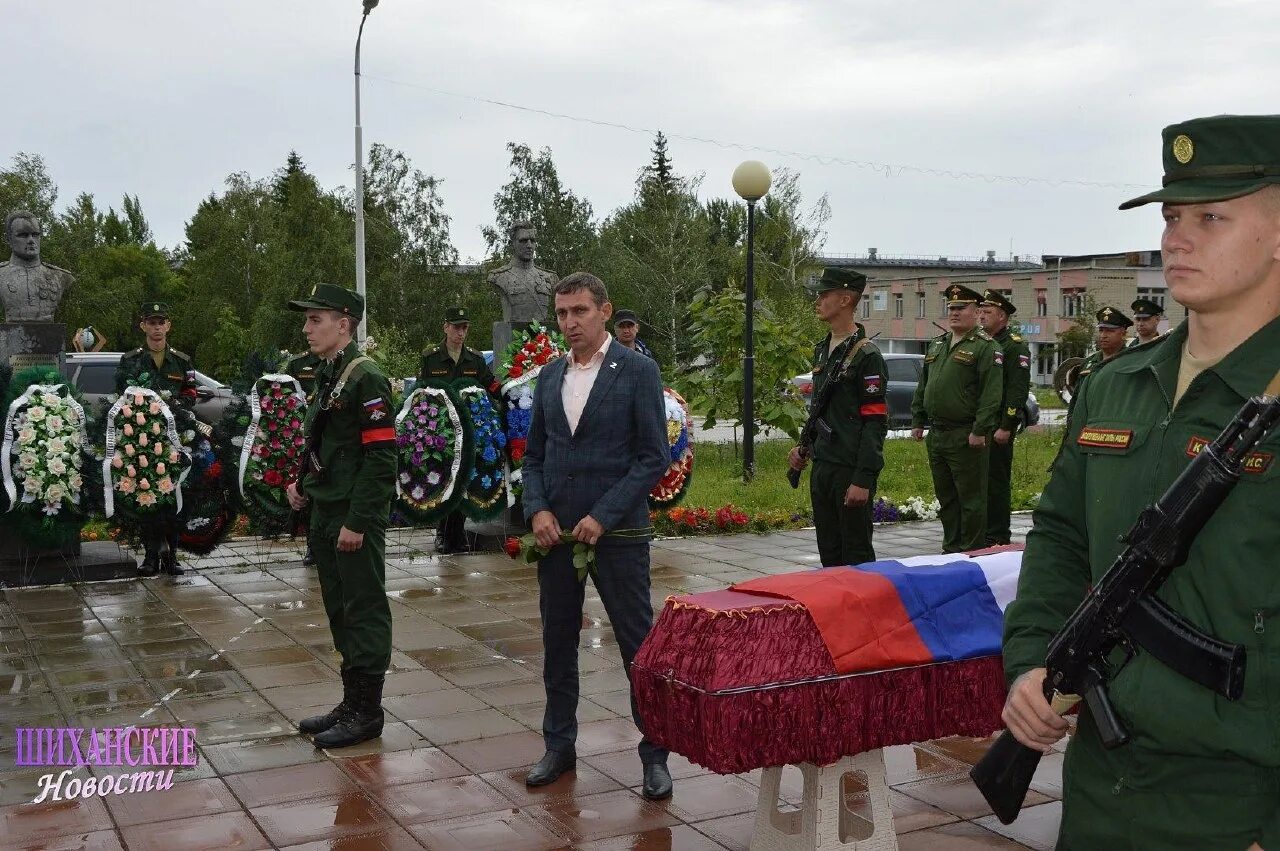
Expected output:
{"points": [[578, 381]]}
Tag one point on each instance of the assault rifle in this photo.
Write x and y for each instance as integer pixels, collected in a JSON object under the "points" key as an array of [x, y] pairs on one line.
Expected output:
{"points": [[815, 423], [1122, 611]]}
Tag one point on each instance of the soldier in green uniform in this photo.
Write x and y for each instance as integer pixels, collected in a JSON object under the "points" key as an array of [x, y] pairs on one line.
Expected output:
{"points": [[1112, 325], [1199, 771], [958, 397], [848, 451], [303, 367], [452, 361], [350, 479], [170, 371], [994, 313], [1146, 321]]}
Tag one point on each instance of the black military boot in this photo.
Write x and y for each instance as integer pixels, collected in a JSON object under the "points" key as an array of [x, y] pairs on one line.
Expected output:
{"points": [[308, 560], [363, 721], [320, 723]]}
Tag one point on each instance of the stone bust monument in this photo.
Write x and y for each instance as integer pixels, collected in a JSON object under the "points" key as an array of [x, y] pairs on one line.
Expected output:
{"points": [[29, 289], [525, 289]]}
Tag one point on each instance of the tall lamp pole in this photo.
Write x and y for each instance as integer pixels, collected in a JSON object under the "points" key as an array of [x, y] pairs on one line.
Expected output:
{"points": [[360, 282], [751, 181]]}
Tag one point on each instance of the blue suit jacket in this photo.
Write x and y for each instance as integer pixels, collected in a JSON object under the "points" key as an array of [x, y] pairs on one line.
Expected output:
{"points": [[619, 452]]}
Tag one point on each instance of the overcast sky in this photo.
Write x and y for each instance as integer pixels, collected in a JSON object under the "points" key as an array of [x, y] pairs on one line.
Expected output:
{"points": [[165, 99]]}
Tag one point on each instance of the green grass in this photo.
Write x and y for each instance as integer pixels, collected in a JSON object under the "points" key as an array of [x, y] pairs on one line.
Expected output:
{"points": [[717, 475], [1048, 398]]}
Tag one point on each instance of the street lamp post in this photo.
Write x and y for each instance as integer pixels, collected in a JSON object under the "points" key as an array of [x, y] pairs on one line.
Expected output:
{"points": [[360, 281], [751, 181]]}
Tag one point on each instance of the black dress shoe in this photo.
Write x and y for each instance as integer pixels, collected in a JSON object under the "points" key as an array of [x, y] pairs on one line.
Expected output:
{"points": [[657, 782], [150, 565], [169, 564], [550, 767], [308, 560]]}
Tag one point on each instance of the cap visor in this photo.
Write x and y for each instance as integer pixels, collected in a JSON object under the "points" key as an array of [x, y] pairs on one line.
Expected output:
{"points": [[1198, 191], [303, 304]]}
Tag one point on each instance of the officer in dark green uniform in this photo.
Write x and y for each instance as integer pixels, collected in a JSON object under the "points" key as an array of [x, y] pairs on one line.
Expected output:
{"points": [[453, 362], [349, 483], [1112, 325], [848, 451], [1146, 321], [958, 397], [995, 311], [170, 372], [1199, 771]]}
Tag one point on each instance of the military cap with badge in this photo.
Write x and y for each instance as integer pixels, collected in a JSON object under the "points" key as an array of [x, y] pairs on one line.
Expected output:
{"points": [[1109, 317], [153, 310], [1216, 158], [1145, 308], [836, 278], [457, 316], [995, 298], [331, 297], [959, 295]]}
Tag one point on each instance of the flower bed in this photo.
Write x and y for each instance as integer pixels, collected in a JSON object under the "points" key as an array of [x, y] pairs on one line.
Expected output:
{"points": [[671, 489], [433, 444], [43, 444], [486, 491]]}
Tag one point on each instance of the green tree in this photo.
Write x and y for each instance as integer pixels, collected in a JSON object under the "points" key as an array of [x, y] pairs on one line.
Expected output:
{"points": [[715, 390], [566, 234], [26, 185], [1079, 338]]}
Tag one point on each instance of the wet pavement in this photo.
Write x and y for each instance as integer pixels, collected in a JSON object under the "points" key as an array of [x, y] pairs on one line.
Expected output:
{"points": [[239, 649]]}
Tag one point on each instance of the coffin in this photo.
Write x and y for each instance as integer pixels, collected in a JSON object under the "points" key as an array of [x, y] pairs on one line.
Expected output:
{"points": [[743, 678]]}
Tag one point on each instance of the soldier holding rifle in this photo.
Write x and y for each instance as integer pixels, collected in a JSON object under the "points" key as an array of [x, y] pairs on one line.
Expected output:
{"points": [[1199, 770], [848, 419]]}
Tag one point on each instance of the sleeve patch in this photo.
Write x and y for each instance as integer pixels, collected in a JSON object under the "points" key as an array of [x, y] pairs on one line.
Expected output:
{"points": [[999, 357], [1013, 412], [1024, 361], [377, 435], [872, 385]]}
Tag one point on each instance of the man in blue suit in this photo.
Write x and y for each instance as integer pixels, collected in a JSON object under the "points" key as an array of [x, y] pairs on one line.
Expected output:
{"points": [[597, 446]]}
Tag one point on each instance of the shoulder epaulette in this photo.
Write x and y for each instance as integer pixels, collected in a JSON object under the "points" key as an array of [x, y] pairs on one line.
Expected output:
{"points": [[136, 351], [983, 335], [51, 266], [180, 354], [503, 268], [1017, 338], [4, 262]]}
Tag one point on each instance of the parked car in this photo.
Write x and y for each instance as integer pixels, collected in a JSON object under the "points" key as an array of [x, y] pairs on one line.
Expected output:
{"points": [[94, 375], [904, 372]]}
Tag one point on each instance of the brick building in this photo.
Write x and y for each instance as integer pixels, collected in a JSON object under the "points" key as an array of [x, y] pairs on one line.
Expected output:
{"points": [[904, 300]]}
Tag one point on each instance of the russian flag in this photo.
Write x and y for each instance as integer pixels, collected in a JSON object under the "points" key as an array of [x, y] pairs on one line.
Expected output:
{"points": [[911, 611]]}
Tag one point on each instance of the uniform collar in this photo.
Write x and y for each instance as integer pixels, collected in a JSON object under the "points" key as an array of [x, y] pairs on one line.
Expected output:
{"points": [[858, 333], [1246, 369]]}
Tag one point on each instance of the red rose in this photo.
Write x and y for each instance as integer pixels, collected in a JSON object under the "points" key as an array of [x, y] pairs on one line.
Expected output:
{"points": [[292, 403], [215, 469], [516, 372], [517, 448], [273, 478], [292, 453], [281, 463], [512, 546]]}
